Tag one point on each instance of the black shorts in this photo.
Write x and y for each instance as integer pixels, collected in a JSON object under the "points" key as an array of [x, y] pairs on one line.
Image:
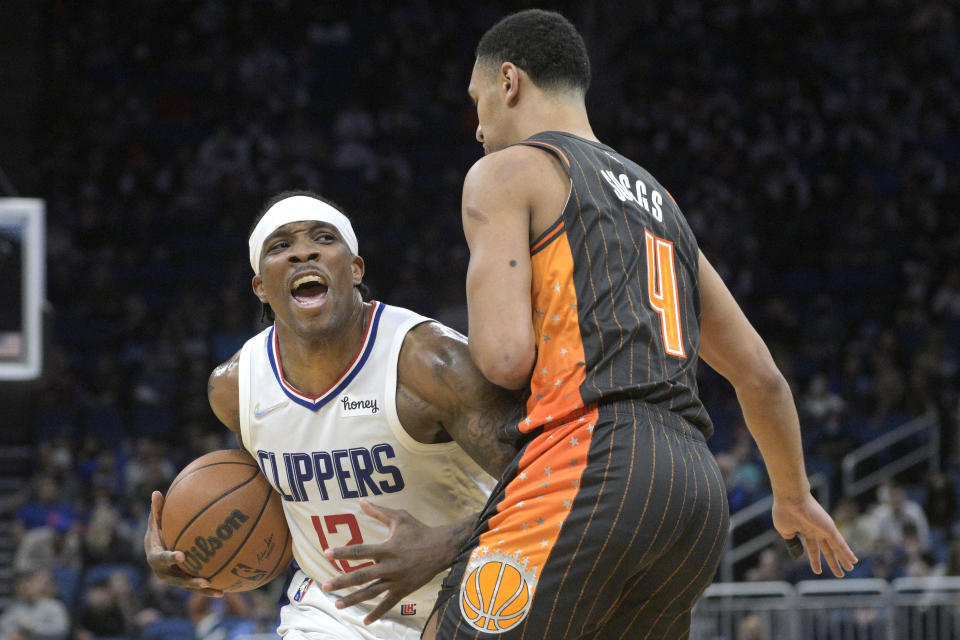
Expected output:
{"points": [[609, 525]]}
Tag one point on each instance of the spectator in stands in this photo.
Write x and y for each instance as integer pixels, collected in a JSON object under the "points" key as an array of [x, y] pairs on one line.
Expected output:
{"points": [[47, 506], [101, 614], [770, 565], [946, 301], [210, 616], [915, 561], [101, 535], [34, 611], [820, 403], [746, 482], [147, 469], [48, 547], [894, 512], [952, 565], [751, 628], [159, 601], [940, 505], [856, 527]]}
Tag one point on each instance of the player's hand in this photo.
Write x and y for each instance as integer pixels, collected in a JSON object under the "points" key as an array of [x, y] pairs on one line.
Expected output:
{"points": [[410, 556], [818, 532], [164, 562]]}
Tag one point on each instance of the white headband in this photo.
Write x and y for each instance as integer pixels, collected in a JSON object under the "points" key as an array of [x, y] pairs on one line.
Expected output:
{"points": [[298, 209]]}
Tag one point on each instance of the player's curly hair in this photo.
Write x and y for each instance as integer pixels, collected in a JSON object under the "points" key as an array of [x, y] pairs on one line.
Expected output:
{"points": [[542, 43], [266, 313]]}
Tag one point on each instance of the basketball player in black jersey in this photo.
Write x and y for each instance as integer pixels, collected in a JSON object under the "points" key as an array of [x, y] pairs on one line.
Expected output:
{"points": [[587, 288]]}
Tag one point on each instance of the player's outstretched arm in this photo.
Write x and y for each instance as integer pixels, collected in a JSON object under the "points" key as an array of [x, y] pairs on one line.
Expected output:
{"points": [[410, 557], [729, 344], [164, 562]]}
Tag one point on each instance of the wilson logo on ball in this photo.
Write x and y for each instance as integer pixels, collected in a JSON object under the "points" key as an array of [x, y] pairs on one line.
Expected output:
{"points": [[495, 595], [205, 547]]}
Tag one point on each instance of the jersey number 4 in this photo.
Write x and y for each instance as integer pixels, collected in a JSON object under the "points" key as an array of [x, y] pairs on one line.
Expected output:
{"points": [[331, 524], [662, 287]]}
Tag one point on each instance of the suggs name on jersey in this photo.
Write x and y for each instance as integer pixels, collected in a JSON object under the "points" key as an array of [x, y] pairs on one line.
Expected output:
{"points": [[355, 473]]}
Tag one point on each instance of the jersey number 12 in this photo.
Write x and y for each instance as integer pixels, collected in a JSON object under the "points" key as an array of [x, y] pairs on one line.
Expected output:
{"points": [[332, 524]]}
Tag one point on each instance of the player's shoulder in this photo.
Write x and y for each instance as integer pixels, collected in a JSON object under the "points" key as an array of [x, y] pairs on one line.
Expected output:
{"points": [[223, 391], [432, 344], [513, 163], [227, 370]]}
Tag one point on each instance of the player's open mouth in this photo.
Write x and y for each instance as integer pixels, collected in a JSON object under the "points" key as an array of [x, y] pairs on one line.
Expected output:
{"points": [[309, 291]]}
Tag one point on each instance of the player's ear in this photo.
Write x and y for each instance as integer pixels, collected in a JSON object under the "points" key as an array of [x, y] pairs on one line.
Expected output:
{"points": [[258, 289], [358, 268], [509, 82]]}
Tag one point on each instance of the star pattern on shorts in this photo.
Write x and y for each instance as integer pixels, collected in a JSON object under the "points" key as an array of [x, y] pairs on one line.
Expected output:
{"points": [[573, 441]]}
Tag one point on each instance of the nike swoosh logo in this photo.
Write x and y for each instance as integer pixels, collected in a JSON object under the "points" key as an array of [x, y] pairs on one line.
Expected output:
{"points": [[259, 413]]}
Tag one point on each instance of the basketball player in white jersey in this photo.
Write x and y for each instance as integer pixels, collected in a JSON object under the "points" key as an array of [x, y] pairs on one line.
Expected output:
{"points": [[341, 400]]}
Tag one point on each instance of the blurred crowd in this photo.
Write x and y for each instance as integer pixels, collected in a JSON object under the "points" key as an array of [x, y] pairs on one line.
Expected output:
{"points": [[814, 150]]}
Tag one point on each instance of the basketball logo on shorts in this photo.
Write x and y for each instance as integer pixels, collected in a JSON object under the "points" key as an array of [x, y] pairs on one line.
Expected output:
{"points": [[495, 594]]}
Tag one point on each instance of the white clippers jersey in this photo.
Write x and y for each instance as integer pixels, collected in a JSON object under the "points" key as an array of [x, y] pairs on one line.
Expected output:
{"points": [[323, 453]]}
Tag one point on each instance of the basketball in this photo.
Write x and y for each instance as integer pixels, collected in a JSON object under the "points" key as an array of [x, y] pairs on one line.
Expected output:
{"points": [[228, 521]]}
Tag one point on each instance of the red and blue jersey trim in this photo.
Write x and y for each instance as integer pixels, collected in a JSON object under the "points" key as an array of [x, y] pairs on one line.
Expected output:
{"points": [[315, 403]]}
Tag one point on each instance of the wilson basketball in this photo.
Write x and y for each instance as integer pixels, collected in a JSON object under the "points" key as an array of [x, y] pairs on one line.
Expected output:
{"points": [[228, 521]]}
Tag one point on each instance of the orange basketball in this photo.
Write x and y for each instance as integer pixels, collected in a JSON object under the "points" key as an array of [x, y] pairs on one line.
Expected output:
{"points": [[228, 521]]}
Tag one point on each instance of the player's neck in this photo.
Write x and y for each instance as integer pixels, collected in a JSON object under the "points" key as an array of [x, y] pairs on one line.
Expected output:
{"points": [[313, 362], [556, 115]]}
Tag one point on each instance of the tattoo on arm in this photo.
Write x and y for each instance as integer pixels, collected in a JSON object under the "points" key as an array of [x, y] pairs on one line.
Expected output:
{"points": [[413, 401], [462, 530], [477, 432]]}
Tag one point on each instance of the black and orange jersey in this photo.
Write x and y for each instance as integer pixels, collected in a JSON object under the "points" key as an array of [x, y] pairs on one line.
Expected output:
{"points": [[616, 299]]}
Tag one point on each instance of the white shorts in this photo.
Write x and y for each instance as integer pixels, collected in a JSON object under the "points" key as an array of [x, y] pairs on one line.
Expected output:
{"points": [[311, 615]]}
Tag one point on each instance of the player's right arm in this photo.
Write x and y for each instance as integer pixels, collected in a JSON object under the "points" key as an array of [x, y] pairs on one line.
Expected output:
{"points": [[223, 394], [730, 345]]}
